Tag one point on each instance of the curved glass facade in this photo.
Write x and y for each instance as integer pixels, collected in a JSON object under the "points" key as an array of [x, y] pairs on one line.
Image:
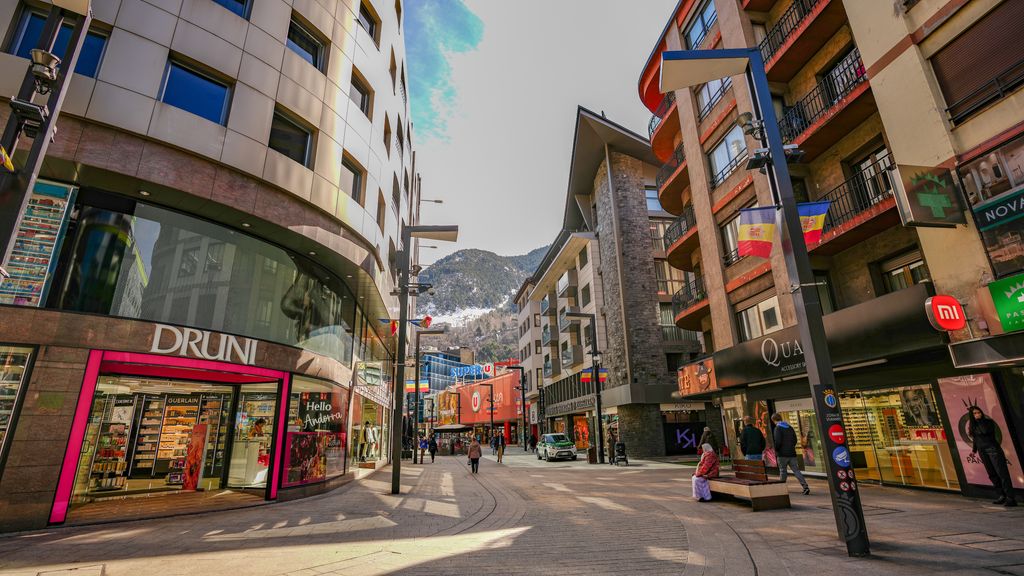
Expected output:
{"points": [[155, 264]]}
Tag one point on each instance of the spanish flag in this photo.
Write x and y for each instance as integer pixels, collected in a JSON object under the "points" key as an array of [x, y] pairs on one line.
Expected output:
{"points": [[5, 160], [812, 220], [757, 231]]}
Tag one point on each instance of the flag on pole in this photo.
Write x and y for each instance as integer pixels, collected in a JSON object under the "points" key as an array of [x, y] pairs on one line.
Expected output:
{"points": [[812, 220], [587, 375], [757, 231], [5, 160], [410, 386]]}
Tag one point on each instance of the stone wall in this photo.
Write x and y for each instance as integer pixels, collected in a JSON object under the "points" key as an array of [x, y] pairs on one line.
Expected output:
{"points": [[640, 427]]}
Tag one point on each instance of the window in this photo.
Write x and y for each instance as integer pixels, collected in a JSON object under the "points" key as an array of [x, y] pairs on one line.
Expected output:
{"points": [[398, 12], [710, 94], [306, 45], [368, 21], [396, 195], [290, 139], [702, 21], [387, 136], [760, 319], [393, 69], [381, 210], [585, 295], [760, 32], [352, 179], [196, 92], [536, 320], [903, 271], [317, 434], [731, 241], [537, 346], [653, 204], [727, 155], [823, 284], [361, 94], [670, 280], [30, 28], [240, 7], [584, 257]]}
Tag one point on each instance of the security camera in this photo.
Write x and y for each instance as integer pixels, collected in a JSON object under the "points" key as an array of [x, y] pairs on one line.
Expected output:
{"points": [[44, 69], [431, 291]]}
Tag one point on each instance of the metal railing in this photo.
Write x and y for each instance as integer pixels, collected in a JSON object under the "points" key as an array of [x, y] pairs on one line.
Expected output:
{"points": [[680, 226], [677, 334], [732, 257], [670, 165], [704, 29], [691, 293], [545, 303], [847, 75], [787, 23], [996, 89], [669, 286], [862, 191], [405, 96], [728, 169], [660, 113], [545, 336], [714, 99]]}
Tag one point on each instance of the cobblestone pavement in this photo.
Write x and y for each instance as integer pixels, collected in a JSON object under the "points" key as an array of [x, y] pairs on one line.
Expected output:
{"points": [[530, 517]]}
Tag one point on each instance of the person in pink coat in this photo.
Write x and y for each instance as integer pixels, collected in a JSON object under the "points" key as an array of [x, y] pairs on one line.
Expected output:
{"points": [[475, 452]]}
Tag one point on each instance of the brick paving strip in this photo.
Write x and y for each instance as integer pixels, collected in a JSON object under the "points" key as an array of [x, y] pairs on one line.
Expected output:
{"points": [[529, 517]]}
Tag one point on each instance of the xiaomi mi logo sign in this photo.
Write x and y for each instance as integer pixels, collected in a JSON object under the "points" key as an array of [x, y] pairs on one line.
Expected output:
{"points": [[945, 313]]}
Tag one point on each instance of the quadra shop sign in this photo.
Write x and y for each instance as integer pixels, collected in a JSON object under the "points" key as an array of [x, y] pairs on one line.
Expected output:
{"points": [[203, 344]]}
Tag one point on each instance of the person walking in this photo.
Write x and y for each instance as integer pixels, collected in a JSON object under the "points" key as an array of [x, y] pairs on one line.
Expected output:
{"points": [[533, 443], [494, 444], [708, 437], [985, 443], [475, 452], [432, 448], [611, 447], [785, 450], [501, 446], [707, 469], [424, 444], [751, 440]]}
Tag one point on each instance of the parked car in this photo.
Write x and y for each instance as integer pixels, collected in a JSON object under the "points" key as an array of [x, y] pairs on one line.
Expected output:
{"points": [[555, 447]]}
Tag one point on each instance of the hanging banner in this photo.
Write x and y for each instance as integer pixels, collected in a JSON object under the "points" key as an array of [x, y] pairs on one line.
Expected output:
{"points": [[812, 220], [37, 244], [757, 231]]}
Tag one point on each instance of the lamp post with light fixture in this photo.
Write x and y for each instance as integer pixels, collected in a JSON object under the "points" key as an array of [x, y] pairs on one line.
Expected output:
{"points": [[440, 233], [46, 75], [687, 68]]}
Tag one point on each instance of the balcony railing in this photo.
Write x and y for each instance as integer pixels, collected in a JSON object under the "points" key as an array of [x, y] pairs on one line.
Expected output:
{"points": [[660, 113], [846, 76], [732, 257], [667, 286], [999, 87], [788, 22], [728, 169], [680, 226], [545, 336], [565, 322], [572, 356], [548, 371], [714, 99], [691, 293], [865, 189], [545, 303], [677, 334], [566, 281], [670, 166]]}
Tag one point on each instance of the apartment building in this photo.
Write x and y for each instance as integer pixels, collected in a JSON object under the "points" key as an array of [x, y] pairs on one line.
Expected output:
{"points": [[874, 93], [209, 251], [530, 352], [603, 263]]}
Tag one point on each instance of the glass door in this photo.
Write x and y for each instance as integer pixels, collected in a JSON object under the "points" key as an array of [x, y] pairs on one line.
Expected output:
{"points": [[253, 435]]}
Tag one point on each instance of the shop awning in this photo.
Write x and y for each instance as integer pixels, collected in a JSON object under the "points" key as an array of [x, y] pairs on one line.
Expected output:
{"points": [[452, 428]]}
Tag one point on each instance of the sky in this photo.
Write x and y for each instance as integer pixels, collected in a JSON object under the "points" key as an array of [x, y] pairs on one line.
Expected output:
{"points": [[494, 86]]}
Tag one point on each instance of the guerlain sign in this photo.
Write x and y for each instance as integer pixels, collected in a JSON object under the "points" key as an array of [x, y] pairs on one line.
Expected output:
{"points": [[203, 344]]}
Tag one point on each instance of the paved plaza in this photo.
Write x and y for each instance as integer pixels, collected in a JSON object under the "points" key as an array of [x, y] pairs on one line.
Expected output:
{"points": [[530, 517]]}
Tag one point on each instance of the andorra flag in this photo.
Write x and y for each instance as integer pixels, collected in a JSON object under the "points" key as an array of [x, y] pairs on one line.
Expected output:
{"points": [[757, 231], [812, 220]]}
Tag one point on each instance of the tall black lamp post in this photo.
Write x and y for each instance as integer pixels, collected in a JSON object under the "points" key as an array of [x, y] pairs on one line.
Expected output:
{"points": [[46, 75], [442, 233], [595, 369], [416, 393], [522, 401], [686, 68]]}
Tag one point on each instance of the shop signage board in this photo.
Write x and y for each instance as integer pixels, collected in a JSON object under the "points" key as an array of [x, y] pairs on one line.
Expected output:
{"points": [[195, 457], [929, 197], [569, 406], [697, 378], [1008, 298], [37, 242], [892, 324], [203, 344], [994, 187], [945, 313]]}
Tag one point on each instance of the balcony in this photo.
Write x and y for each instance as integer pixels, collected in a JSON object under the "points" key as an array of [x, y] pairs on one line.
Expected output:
{"points": [[572, 356], [564, 322], [800, 32], [548, 369], [545, 335], [681, 240], [659, 115], [832, 109], [996, 89], [758, 5], [861, 207], [725, 171], [690, 304], [545, 304], [567, 283], [714, 99], [672, 179]]}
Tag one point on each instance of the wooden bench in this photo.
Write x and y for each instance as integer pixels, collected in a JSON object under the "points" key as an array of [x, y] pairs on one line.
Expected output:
{"points": [[750, 482]]}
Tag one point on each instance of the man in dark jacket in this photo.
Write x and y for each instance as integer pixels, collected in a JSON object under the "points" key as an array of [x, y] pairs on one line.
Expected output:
{"points": [[985, 443], [785, 450], [751, 440]]}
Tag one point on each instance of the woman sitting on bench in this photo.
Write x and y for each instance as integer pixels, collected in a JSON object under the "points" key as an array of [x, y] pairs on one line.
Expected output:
{"points": [[707, 468]]}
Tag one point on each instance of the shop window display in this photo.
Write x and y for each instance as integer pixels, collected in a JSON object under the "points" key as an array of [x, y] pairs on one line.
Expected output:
{"points": [[367, 431], [897, 436], [800, 415], [254, 432], [14, 361], [316, 443]]}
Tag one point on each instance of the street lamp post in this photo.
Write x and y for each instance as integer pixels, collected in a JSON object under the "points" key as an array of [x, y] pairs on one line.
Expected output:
{"points": [[685, 68], [47, 74], [416, 392], [522, 400], [595, 369], [443, 233]]}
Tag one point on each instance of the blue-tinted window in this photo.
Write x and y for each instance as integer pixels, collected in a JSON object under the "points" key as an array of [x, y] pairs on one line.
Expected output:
{"points": [[289, 139], [653, 204], [240, 7], [306, 45], [30, 28], [199, 94]]}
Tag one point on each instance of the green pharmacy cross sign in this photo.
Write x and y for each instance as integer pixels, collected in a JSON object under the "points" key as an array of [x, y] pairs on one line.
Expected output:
{"points": [[929, 197], [1008, 297]]}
